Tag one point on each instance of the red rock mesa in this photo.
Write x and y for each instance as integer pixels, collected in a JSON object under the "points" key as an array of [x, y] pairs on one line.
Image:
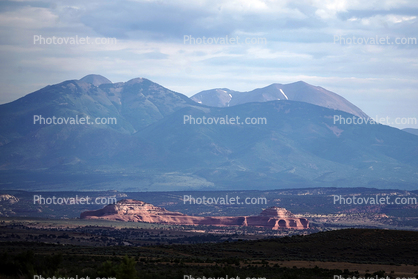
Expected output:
{"points": [[274, 217]]}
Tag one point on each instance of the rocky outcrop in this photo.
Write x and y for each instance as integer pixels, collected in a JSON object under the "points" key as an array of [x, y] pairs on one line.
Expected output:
{"points": [[138, 211], [8, 198]]}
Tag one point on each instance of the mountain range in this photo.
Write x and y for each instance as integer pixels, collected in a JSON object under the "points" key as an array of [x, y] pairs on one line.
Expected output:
{"points": [[298, 91], [151, 147]]}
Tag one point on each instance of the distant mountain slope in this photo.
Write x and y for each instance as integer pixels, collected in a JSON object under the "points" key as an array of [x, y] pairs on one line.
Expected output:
{"points": [[298, 91], [152, 147], [220, 97], [299, 144], [135, 103], [411, 131], [131, 106]]}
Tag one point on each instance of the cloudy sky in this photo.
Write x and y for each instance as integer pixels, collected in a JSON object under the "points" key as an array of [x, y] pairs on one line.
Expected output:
{"points": [[292, 41]]}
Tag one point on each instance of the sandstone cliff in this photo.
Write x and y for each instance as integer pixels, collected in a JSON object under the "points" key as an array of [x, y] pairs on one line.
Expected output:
{"points": [[138, 211]]}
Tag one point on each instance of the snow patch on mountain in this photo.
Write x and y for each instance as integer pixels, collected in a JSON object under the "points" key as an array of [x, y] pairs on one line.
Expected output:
{"points": [[284, 94]]}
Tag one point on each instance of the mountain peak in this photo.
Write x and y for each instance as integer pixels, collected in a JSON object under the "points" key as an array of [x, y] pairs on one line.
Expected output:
{"points": [[297, 91], [135, 80], [96, 80], [301, 83]]}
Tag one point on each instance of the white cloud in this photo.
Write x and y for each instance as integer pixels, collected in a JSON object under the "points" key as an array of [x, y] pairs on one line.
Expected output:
{"points": [[28, 18]]}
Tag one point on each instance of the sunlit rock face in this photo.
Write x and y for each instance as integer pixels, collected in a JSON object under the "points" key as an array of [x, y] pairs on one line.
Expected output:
{"points": [[138, 211]]}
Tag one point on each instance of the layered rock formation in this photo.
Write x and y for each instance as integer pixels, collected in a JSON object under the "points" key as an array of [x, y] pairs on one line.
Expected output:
{"points": [[138, 211], [8, 198]]}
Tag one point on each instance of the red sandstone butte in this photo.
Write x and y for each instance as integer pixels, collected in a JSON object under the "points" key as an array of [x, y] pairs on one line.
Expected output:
{"points": [[138, 211]]}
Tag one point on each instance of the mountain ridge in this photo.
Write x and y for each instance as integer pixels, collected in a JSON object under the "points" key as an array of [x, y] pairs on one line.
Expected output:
{"points": [[152, 145], [297, 91], [411, 131]]}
